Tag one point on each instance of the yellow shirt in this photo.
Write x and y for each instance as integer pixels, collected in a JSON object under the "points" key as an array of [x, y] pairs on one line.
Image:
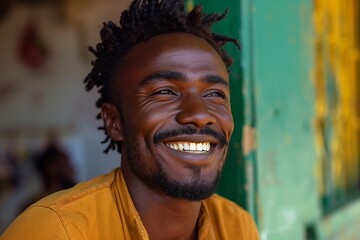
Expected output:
{"points": [[103, 209]]}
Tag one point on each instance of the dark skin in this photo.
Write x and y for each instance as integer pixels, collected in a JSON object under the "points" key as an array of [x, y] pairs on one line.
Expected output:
{"points": [[169, 82]]}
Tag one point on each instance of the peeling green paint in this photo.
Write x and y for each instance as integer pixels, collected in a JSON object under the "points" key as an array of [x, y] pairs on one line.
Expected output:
{"points": [[283, 59]]}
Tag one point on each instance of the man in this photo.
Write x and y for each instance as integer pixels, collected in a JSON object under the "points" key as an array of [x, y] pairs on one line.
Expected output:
{"points": [[55, 170], [164, 87]]}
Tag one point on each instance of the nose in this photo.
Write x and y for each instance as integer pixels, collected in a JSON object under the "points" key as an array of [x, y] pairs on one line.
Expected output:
{"points": [[193, 110]]}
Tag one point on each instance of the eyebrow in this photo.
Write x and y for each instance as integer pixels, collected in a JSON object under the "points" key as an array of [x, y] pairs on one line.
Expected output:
{"points": [[180, 77]]}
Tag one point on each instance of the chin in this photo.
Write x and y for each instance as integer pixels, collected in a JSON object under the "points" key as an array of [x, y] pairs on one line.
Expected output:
{"points": [[194, 190]]}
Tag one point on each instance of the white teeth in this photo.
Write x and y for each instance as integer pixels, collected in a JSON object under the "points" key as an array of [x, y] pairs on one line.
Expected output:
{"points": [[205, 147], [191, 147], [186, 147]]}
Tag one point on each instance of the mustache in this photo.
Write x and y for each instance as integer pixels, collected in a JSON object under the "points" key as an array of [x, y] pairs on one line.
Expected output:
{"points": [[162, 135]]}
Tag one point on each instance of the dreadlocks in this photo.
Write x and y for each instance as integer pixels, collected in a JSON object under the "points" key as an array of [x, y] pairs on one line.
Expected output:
{"points": [[143, 20]]}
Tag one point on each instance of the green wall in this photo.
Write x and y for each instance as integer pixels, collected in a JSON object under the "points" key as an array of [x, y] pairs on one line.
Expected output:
{"points": [[279, 71], [282, 59]]}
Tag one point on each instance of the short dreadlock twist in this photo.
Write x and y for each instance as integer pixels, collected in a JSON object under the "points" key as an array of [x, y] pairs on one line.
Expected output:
{"points": [[143, 20]]}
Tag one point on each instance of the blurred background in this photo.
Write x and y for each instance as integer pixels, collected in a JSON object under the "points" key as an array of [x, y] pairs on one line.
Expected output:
{"points": [[294, 159]]}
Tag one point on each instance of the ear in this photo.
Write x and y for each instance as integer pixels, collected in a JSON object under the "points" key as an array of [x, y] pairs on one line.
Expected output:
{"points": [[112, 122]]}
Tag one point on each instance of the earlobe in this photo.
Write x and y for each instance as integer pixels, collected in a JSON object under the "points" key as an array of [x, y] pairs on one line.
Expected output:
{"points": [[112, 121]]}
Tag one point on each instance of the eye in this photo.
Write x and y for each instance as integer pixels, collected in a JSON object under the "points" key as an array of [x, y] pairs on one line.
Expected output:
{"points": [[216, 94], [164, 92]]}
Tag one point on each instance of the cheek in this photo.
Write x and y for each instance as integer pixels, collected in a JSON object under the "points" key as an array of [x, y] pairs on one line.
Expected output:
{"points": [[146, 122], [231, 123], [158, 113], [226, 121], [229, 126]]}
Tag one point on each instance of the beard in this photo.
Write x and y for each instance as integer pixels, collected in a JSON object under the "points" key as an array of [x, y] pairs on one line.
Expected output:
{"points": [[158, 179]]}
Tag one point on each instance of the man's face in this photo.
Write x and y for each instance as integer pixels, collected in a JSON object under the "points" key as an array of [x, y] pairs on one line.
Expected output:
{"points": [[175, 112]]}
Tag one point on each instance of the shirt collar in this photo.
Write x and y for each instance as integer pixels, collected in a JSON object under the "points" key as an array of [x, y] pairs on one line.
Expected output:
{"points": [[206, 231], [125, 202]]}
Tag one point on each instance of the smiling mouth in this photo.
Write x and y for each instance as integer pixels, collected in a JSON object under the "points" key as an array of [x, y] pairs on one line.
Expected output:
{"points": [[190, 147]]}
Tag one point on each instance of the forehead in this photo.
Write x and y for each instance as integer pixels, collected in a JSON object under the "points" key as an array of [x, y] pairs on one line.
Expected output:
{"points": [[181, 52]]}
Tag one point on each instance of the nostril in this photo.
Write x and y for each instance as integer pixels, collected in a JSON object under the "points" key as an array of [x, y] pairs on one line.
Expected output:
{"points": [[200, 117], [194, 110]]}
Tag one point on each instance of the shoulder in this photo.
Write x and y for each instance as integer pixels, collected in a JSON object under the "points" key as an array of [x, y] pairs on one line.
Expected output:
{"points": [[227, 216], [62, 214], [37, 223], [82, 191]]}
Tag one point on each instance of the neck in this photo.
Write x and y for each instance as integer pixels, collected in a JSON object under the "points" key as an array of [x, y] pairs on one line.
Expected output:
{"points": [[164, 217]]}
